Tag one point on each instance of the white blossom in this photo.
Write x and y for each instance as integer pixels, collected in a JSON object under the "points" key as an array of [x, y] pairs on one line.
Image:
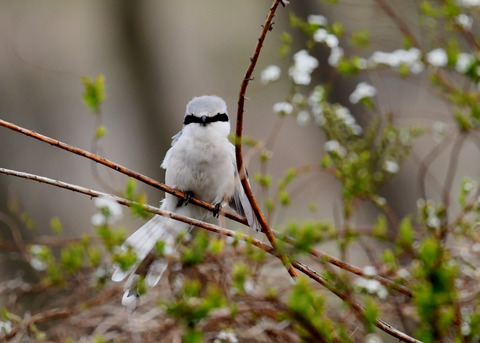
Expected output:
{"points": [[464, 61], [226, 336], [468, 3], [433, 221], [370, 271], [476, 247], [373, 338], [439, 131], [437, 57], [320, 35], [36, 261], [317, 95], [331, 41], [303, 66], [371, 286], [346, 117], [396, 58], [270, 73], [362, 91], [336, 147], [110, 211], [469, 186], [283, 107], [336, 55], [317, 19], [6, 326], [391, 166], [465, 21], [303, 118]]}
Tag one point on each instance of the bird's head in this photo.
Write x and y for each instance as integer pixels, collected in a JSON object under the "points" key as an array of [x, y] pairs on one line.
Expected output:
{"points": [[207, 111]]}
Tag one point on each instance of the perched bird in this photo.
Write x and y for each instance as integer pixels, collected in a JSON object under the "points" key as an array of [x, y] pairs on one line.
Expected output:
{"points": [[201, 163]]}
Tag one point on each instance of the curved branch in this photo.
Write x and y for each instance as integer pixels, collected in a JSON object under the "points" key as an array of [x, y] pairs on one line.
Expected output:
{"points": [[213, 228], [315, 252], [267, 26]]}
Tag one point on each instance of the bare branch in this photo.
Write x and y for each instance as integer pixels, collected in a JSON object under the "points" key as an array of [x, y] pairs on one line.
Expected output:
{"points": [[267, 26], [119, 168], [60, 313], [315, 252]]}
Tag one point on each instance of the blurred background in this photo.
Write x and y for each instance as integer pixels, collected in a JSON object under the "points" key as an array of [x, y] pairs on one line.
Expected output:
{"points": [[156, 56]]}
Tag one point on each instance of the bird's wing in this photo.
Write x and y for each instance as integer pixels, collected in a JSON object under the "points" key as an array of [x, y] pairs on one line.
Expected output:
{"points": [[167, 155], [239, 201]]}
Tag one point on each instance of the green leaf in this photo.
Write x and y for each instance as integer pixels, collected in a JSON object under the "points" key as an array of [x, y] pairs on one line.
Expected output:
{"points": [[360, 39], [100, 132], [405, 235], [380, 227], [56, 225], [370, 315], [94, 92]]}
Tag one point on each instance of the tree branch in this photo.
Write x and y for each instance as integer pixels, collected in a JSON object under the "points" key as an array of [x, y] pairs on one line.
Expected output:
{"points": [[119, 168], [315, 252], [59, 313], [267, 26]]}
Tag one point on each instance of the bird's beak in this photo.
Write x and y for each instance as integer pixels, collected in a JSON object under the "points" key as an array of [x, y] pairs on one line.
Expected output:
{"points": [[204, 120]]}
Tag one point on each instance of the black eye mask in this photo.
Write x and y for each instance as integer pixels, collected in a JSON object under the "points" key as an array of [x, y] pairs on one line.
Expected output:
{"points": [[204, 120]]}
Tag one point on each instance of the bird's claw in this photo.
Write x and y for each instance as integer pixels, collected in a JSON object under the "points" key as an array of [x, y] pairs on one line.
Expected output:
{"points": [[217, 209], [185, 201]]}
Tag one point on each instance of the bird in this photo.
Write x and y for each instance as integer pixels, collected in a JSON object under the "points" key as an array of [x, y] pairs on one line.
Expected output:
{"points": [[201, 163]]}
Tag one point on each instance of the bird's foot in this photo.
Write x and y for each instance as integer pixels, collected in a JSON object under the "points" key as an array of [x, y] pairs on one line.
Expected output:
{"points": [[185, 201], [217, 209]]}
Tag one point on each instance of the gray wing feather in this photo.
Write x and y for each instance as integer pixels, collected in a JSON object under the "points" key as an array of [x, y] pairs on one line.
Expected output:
{"points": [[239, 202]]}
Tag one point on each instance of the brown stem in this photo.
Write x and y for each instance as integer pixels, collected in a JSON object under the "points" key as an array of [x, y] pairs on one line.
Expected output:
{"points": [[119, 168], [267, 26]]}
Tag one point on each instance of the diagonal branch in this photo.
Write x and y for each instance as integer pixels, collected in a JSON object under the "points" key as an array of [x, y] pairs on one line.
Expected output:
{"points": [[315, 252], [267, 26], [119, 168], [213, 228]]}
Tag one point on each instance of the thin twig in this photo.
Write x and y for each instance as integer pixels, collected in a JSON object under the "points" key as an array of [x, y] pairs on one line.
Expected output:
{"points": [[267, 26], [315, 252], [213, 228], [447, 188], [119, 168], [425, 163]]}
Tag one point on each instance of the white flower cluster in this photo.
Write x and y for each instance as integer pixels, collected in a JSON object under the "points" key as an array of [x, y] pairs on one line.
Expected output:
{"points": [[468, 3], [429, 207], [397, 58], [371, 286], [346, 117], [317, 19], [437, 57], [269, 74], [370, 271], [110, 211], [333, 146], [226, 336], [465, 21], [464, 62], [322, 36], [36, 261], [315, 99], [362, 91], [283, 107], [303, 66], [391, 166], [6, 326]]}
